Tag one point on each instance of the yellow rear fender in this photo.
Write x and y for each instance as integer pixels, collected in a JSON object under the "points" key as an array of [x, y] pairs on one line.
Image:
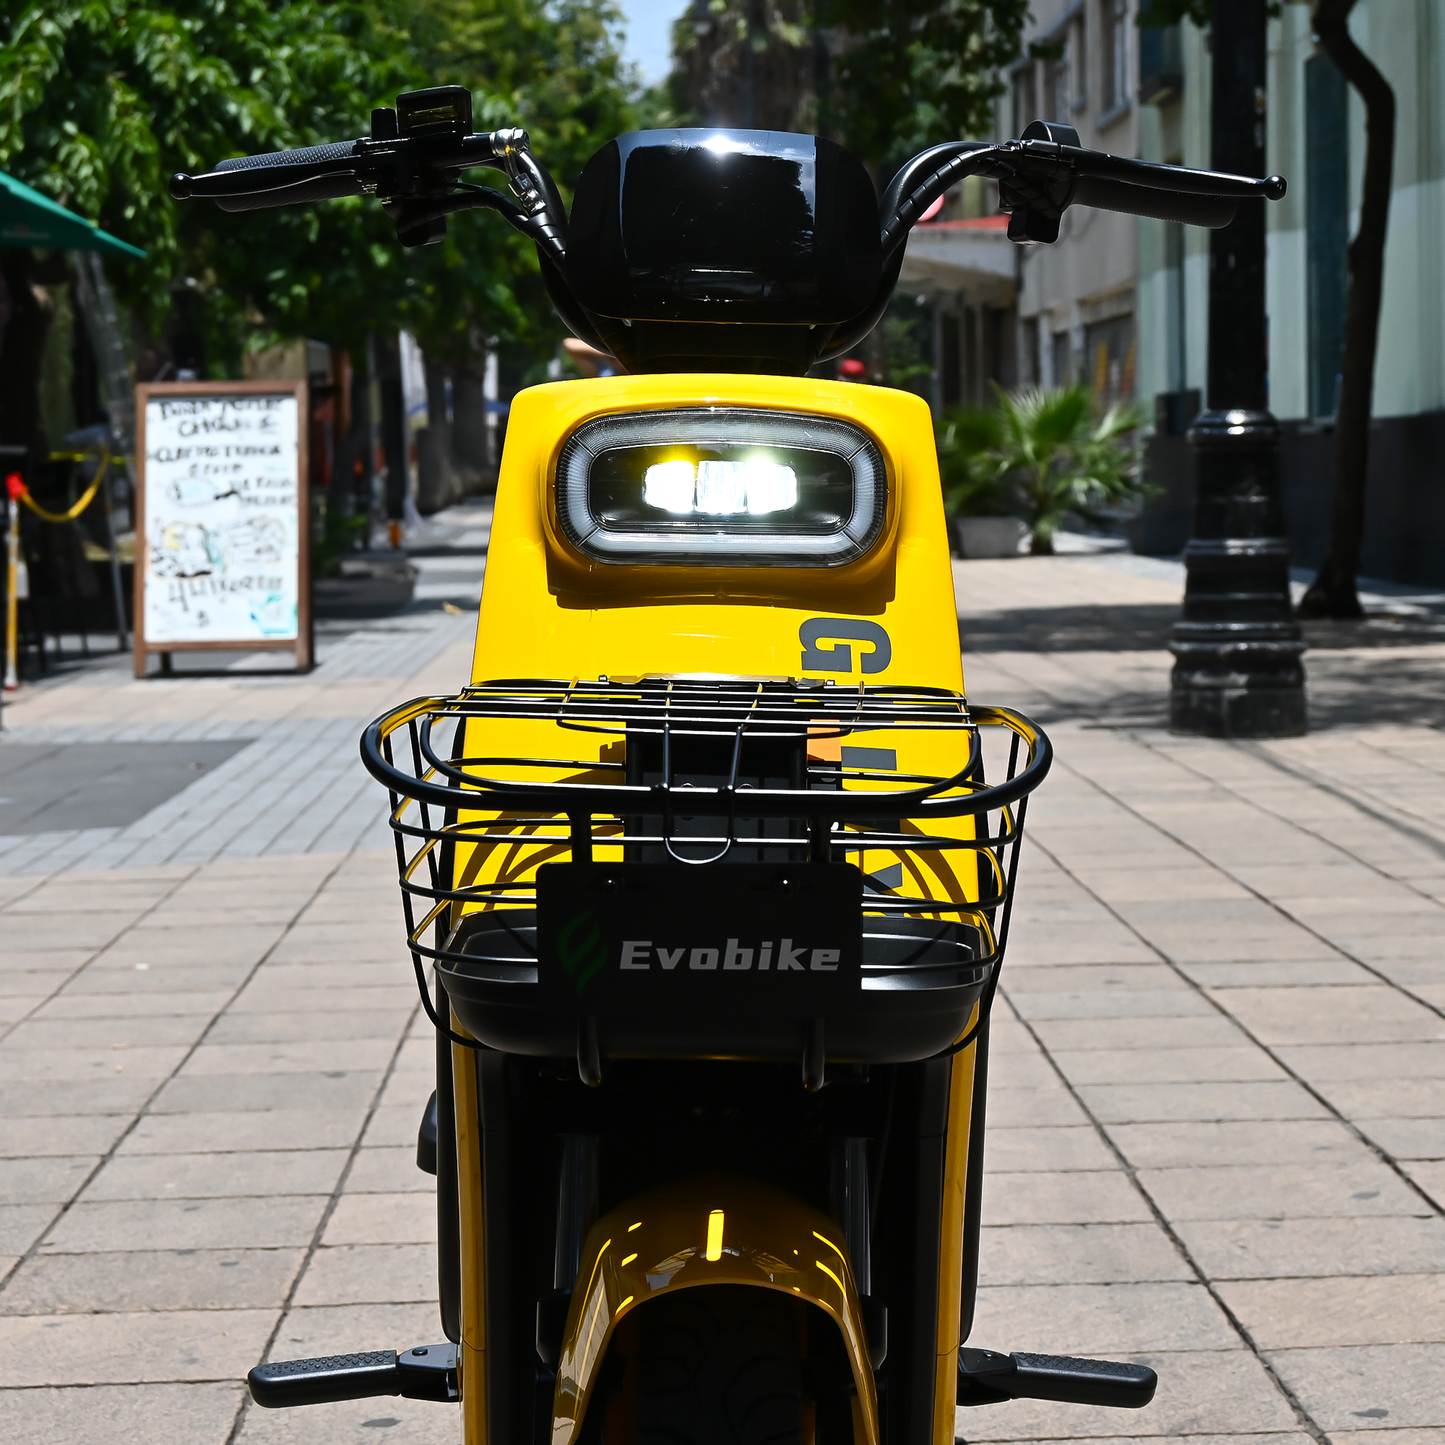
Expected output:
{"points": [[710, 1229]]}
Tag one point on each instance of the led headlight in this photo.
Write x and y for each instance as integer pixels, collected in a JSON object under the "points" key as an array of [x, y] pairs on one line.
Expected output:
{"points": [[721, 487]]}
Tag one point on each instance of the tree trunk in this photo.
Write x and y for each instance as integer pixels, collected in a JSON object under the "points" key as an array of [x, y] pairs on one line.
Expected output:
{"points": [[1333, 594], [27, 323]]}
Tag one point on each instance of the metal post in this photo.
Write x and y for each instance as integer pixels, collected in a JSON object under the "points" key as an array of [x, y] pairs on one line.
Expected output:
{"points": [[122, 636], [1237, 648], [12, 592]]}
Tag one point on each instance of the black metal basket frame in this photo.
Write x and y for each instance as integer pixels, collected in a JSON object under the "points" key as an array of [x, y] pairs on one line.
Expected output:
{"points": [[443, 783]]}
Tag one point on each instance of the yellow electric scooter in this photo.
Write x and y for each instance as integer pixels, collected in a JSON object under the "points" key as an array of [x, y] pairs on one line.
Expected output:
{"points": [[712, 861]]}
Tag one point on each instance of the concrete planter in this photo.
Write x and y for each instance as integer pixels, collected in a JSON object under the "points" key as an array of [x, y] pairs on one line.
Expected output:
{"points": [[990, 536], [368, 587]]}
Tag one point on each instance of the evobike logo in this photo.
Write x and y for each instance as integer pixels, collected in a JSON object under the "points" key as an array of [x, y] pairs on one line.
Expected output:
{"points": [[639, 953], [581, 950]]}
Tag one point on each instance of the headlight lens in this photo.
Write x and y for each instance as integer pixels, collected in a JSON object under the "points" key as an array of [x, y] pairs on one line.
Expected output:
{"points": [[721, 487]]}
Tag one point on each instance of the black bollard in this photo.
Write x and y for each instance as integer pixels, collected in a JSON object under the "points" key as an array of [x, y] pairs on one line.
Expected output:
{"points": [[1237, 648]]}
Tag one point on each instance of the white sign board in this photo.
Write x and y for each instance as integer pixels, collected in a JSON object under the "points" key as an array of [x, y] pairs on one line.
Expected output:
{"points": [[222, 536]]}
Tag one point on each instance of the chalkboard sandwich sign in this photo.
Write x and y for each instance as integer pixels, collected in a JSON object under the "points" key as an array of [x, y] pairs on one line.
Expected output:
{"points": [[222, 535]]}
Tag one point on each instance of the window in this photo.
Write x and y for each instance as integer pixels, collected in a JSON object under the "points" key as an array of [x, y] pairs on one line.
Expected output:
{"points": [[1060, 83], [1026, 106], [1116, 54], [1109, 359], [1062, 359], [1326, 226]]}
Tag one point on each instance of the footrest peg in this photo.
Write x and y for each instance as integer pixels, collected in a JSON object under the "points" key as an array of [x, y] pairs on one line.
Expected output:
{"points": [[986, 1377], [427, 1372]]}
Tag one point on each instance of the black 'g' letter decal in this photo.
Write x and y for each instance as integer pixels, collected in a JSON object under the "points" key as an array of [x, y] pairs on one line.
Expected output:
{"points": [[839, 657]]}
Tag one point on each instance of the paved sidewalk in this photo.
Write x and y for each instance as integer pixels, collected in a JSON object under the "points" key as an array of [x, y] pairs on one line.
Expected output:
{"points": [[1217, 1121]]}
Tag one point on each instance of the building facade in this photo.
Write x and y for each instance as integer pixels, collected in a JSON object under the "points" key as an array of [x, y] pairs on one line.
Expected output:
{"points": [[1316, 139], [1078, 299]]}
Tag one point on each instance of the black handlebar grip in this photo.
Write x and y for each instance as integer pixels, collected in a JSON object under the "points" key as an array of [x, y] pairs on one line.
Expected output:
{"points": [[250, 183], [304, 156], [1211, 211], [322, 188], [319, 188]]}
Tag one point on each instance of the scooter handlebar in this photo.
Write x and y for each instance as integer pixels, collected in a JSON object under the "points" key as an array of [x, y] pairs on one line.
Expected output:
{"points": [[385, 168], [1107, 195]]}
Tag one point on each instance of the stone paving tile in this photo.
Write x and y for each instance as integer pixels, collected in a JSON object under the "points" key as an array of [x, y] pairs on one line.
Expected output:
{"points": [[370, 1274], [161, 980], [1143, 1103], [398, 1422], [1430, 1176], [163, 1412], [191, 1003], [1167, 1066], [109, 1094], [1273, 1248], [300, 1027], [1291, 973], [97, 1349], [29, 1138], [304, 1056], [397, 1218], [1357, 1187], [1395, 1437], [395, 1125], [388, 1171], [76, 1064], [1367, 1060], [272, 1223], [1100, 1321], [334, 1329], [225, 1132], [1022, 1107], [110, 1033], [154, 1279], [1009, 1151], [212, 1093], [44, 1180], [1077, 1197], [1402, 1098], [21, 1225], [1077, 1253], [1375, 1387], [1203, 1143], [217, 1176], [1408, 1138], [398, 997], [1333, 1015], [1206, 1031], [1345, 1310]]}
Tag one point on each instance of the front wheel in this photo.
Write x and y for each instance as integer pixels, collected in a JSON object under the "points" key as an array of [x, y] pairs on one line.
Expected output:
{"points": [[724, 1365]]}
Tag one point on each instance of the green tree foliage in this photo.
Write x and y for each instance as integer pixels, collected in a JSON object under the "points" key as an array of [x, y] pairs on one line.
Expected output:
{"points": [[909, 73], [1040, 455], [100, 100]]}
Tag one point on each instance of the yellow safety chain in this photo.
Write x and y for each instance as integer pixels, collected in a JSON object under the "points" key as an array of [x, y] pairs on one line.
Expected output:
{"points": [[83, 503]]}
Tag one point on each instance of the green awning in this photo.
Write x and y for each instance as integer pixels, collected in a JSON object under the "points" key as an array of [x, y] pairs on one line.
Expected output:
{"points": [[29, 219]]}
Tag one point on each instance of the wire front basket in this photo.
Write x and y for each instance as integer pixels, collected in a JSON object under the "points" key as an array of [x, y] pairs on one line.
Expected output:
{"points": [[698, 775]]}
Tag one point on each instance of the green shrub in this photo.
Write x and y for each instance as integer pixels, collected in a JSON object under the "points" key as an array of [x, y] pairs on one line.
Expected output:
{"points": [[1040, 455]]}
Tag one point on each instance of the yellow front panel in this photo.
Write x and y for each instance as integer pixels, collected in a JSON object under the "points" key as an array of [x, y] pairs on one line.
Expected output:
{"points": [[547, 611]]}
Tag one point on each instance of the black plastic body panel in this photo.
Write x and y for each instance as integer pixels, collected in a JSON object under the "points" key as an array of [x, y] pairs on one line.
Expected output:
{"points": [[714, 225], [919, 983]]}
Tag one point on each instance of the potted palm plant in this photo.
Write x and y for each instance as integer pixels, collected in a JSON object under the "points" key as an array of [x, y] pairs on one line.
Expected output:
{"points": [[1032, 459]]}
